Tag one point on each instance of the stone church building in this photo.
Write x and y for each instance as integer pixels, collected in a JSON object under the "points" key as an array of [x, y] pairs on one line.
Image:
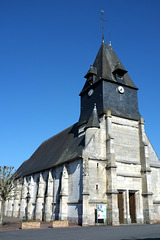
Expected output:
{"points": [[104, 158]]}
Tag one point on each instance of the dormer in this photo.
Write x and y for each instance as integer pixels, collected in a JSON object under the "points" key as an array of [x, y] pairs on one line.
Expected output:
{"points": [[91, 75], [119, 73]]}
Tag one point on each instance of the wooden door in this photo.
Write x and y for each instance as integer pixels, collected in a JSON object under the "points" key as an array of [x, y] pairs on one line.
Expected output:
{"points": [[132, 207], [120, 206]]}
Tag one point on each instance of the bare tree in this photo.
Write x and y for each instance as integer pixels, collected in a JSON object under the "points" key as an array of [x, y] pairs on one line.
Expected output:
{"points": [[8, 183]]}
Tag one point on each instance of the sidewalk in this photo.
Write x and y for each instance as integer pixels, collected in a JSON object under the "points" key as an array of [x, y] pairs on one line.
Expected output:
{"points": [[11, 223]]}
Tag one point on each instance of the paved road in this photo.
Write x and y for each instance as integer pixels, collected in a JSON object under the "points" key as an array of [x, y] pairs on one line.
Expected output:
{"points": [[130, 232]]}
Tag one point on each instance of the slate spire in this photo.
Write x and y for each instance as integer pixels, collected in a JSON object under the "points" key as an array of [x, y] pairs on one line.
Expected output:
{"points": [[109, 66], [93, 121], [104, 80]]}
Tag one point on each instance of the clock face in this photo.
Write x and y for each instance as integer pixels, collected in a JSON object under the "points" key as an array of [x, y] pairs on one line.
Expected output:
{"points": [[121, 89], [90, 92]]}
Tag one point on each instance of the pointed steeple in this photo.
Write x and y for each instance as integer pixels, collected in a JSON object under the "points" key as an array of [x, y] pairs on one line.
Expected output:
{"points": [[109, 66], [93, 120], [109, 85]]}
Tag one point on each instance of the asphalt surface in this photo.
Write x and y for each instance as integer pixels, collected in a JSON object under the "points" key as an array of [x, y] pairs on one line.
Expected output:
{"points": [[123, 232]]}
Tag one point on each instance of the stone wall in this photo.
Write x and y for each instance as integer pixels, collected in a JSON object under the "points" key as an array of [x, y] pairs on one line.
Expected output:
{"points": [[126, 140], [55, 194], [117, 160]]}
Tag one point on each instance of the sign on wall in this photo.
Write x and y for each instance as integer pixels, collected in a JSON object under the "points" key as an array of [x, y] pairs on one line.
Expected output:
{"points": [[101, 211]]}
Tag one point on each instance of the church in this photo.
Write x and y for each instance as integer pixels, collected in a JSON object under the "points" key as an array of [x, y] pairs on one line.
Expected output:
{"points": [[105, 159]]}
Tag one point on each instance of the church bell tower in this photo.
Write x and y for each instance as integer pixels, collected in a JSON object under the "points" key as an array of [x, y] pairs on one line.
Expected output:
{"points": [[109, 86], [117, 152]]}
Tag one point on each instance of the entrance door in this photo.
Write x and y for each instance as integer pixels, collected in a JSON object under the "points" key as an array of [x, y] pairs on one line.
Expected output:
{"points": [[132, 207], [120, 206]]}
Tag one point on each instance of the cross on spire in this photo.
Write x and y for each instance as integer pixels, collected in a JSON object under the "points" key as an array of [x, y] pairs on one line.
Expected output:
{"points": [[102, 18]]}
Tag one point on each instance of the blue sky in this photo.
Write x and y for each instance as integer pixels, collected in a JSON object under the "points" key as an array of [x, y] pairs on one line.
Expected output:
{"points": [[46, 48]]}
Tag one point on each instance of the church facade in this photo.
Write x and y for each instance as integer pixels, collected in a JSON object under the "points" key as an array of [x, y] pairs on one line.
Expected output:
{"points": [[104, 158]]}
